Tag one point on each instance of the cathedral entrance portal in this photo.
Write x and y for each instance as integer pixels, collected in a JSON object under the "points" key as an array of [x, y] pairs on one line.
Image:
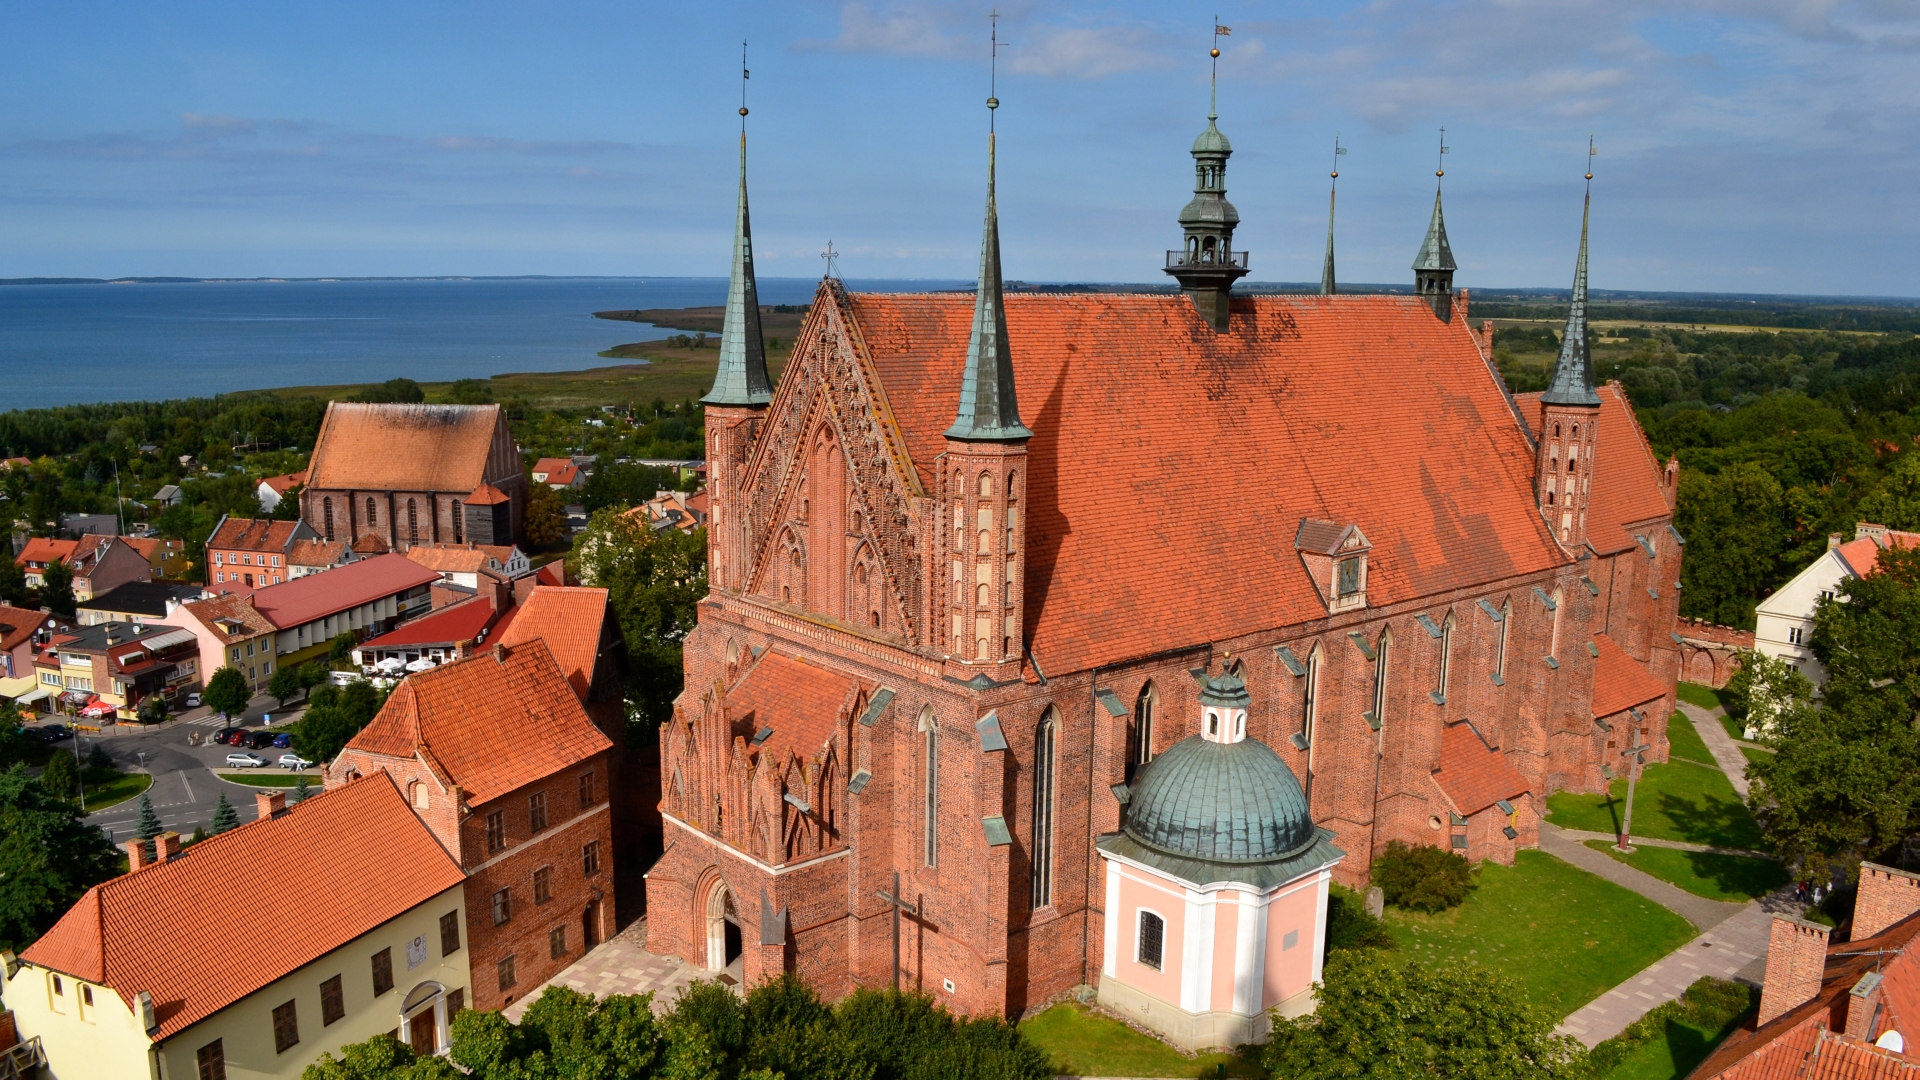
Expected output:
{"points": [[723, 928]]}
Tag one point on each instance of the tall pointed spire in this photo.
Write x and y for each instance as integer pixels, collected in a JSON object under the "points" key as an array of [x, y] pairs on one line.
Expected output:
{"points": [[1573, 377], [989, 411], [1433, 267], [741, 378], [1327, 285]]}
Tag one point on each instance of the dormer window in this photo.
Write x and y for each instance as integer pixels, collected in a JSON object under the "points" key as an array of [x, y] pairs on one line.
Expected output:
{"points": [[1349, 577], [1335, 556]]}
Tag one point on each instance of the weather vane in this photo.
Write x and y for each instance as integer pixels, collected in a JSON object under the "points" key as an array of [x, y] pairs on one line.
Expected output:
{"points": [[993, 68], [744, 76], [1219, 32], [1590, 155], [1338, 153], [1440, 166], [830, 255]]}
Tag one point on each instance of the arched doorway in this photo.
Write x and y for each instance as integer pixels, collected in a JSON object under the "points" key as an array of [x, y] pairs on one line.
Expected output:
{"points": [[423, 1019], [723, 928]]}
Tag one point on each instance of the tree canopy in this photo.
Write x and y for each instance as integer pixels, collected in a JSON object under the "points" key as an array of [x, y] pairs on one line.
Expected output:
{"points": [[335, 714], [227, 692], [654, 583], [48, 858]]}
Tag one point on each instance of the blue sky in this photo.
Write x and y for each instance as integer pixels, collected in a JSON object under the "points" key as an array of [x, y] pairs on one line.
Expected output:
{"points": [[1745, 147]]}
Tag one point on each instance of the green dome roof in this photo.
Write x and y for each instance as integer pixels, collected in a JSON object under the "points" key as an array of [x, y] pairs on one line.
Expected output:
{"points": [[1211, 141], [1221, 803]]}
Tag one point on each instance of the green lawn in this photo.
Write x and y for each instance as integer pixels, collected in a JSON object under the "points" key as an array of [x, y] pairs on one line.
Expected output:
{"points": [[1564, 934], [1676, 1037], [1685, 742], [269, 779], [117, 790], [1736, 729], [1733, 878], [1754, 753], [1705, 697], [1678, 801], [1086, 1043]]}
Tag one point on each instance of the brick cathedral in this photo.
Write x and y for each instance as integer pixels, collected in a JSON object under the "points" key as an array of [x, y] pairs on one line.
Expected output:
{"points": [[975, 558]]}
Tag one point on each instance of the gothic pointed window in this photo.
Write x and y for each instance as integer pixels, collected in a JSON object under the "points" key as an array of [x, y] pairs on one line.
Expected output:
{"points": [[930, 824], [413, 520], [1310, 703], [459, 523], [1557, 605], [1141, 737], [1446, 657], [326, 516], [1500, 643], [1380, 679], [1043, 765], [371, 518]]}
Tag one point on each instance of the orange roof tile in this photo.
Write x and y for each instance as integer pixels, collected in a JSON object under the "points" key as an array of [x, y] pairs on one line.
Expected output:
{"points": [[304, 599], [316, 552], [260, 874], [252, 534], [1621, 682], [1362, 409], [486, 495], [280, 485], [42, 550], [369, 544], [452, 624], [493, 724], [153, 548], [1473, 775], [569, 620], [455, 558], [17, 625], [403, 447], [1862, 556], [800, 701], [237, 607]]}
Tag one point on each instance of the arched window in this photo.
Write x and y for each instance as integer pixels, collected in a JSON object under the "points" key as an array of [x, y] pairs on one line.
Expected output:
{"points": [[986, 485], [1446, 657], [326, 516], [413, 520], [1311, 701], [1012, 513], [1576, 431], [986, 595], [1141, 737], [1556, 430], [371, 518], [459, 523], [1380, 679], [930, 823], [1556, 605], [1043, 763], [1500, 643]]}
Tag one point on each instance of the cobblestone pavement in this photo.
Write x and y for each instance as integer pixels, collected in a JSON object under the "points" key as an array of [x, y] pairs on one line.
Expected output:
{"points": [[1721, 745], [1677, 845], [621, 965]]}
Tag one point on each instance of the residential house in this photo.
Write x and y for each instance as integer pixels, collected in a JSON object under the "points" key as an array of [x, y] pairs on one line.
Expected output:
{"points": [[253, 551], [685, 511], [231, 633], [101, 564], [18, 628], [559, 473], [1836, 1010], [76, 526], [110, 668], [314, 556], [17, 463], [411, 474], [274, 488], [1784, 621], [255, 951], [168, 495], [138, 602], [41, 553], [167, 558], [496, 755], [687, 470], [466, 564], [450, 633]]}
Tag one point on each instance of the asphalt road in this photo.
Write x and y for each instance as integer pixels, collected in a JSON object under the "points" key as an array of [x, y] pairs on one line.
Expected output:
{"points": [[185, 790]]}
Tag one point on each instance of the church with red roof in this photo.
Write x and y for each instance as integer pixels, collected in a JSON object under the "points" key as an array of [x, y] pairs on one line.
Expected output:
{"points": [[974, 558]]}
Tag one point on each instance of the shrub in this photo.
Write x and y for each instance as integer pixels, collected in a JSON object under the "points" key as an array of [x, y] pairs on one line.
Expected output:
{"points": [[61, 777], [1350, 925], [1421, 878], [1713, 1005]]}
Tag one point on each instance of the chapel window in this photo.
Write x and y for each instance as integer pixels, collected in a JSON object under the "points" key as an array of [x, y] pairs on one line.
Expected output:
{"points": [[930, 821], [1311, 701], [1380, 679], [1043, 763], [1141, 751], [1152, 940], [1556, 606], [1500, 642], [986, 485]]}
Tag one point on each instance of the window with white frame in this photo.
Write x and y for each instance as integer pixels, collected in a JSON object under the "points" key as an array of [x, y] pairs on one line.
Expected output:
{"points": [[1150, 947]]}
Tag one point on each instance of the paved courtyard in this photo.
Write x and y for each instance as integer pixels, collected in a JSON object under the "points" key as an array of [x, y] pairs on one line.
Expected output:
{"points": [[622, 965]]}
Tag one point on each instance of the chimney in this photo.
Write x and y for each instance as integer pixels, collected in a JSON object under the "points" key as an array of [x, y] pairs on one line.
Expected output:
{"points": [[1796, 958], [1886, 896], [269, 803], [499, 653], [1834, 541], [136, 855], [1863, 1007], [501, 595], [166, 846]]}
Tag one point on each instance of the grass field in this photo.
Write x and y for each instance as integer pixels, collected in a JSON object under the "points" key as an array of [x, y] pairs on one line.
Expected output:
{"points": [[1706, 697], [1733, 878], [1565, 935], [1677, 801], [1685, 741], [1086, 1043], [263, 778], [117, 790], [1754, 753], [1674, 1038]]}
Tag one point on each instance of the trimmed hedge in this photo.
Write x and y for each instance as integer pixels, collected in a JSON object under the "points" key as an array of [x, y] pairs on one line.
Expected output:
{"points": [[1422, 878]]}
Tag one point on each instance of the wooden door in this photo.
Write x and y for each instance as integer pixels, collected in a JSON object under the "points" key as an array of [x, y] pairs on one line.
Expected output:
{"points": [[420, 1033]]}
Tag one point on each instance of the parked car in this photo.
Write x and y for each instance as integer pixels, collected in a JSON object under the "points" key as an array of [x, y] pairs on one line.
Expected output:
{"points": [[260, 740], [282, 740], [222, 735], [238, 737], [245, 761], [294, 762], [193, 701], [56, 732]]}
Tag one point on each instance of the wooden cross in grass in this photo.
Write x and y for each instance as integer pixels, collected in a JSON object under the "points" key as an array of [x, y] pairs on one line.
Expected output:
{"points": [[1634, 754], [893, 900]]}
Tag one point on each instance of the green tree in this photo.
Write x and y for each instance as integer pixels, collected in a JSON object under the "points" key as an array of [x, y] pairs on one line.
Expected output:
{"points": [[340, 648], [56, 589], [13, 582], [312, 674], [153, 709], [224, 815], [301, 789], [382, 1057], [227, 692], [470, 392], [284, 684], [654, 584], [1733, 524], [61, 777], [1381, 1020], [335, 715], [147, 825], [1761, 687], [48, 858], [397, 391], [1896, 502], [546, 521]]}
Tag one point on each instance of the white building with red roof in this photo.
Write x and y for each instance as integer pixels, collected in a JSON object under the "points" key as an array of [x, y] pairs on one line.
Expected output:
{"points": [[253, 952], [1783, 622]]}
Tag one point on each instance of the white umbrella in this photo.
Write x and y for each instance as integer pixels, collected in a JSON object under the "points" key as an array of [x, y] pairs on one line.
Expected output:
{"points": [[391, 664], [422, 664]]}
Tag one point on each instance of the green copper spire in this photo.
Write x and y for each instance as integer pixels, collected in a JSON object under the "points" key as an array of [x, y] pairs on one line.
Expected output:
{"points": [[1573, 378], [1433, 268], [742, 376], [989, 411], [1327, 285]]}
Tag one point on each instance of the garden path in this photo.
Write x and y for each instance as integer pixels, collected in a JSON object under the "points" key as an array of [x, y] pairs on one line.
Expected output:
{"points": [[1698, 910], [1584, 835], [1721, 745]]}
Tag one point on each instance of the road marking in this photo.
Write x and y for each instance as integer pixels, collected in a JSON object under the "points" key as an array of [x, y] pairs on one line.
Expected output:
{"points": [[184, 780]]}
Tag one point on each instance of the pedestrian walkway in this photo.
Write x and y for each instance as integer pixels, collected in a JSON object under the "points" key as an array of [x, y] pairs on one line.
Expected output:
{"points": [[1583, 836], [621, 965], [1698, 910], [1719, 744]]}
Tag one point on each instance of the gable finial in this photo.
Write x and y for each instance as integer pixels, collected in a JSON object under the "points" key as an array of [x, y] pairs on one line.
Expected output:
{"points": [[1327, 285], [741, 376], [1573, 375], [989, 410]]}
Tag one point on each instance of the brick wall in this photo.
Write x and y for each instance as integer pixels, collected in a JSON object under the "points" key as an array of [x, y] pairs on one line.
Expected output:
{"points": [[1885, 897], [1796, 957]]}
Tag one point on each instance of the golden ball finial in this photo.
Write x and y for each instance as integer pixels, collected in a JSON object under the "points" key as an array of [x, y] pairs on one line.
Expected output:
{"points": [[993, 103], [1589, 176], [743, 110], [1336, 174], [1215, 54], [1439, 172]]}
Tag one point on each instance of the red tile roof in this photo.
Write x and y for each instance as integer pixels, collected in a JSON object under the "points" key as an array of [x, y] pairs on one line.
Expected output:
{"points": [[17, 625], [1862, 556], [457, 558], [1363, 409], [154, 549], [316, 552], [280, 485], [42, 550], [369, 544], [1621, 682], [451, 624], [403, 447], [170, 929], [569, 620], [234, 607], [1471, 774], [252, 534], [486, 495], [304, 599], [800, 701], [493, 724]]}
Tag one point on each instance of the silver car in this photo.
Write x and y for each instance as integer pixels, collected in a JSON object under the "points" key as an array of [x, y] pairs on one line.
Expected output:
{"points": [[245, 761], [295, 762]]}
